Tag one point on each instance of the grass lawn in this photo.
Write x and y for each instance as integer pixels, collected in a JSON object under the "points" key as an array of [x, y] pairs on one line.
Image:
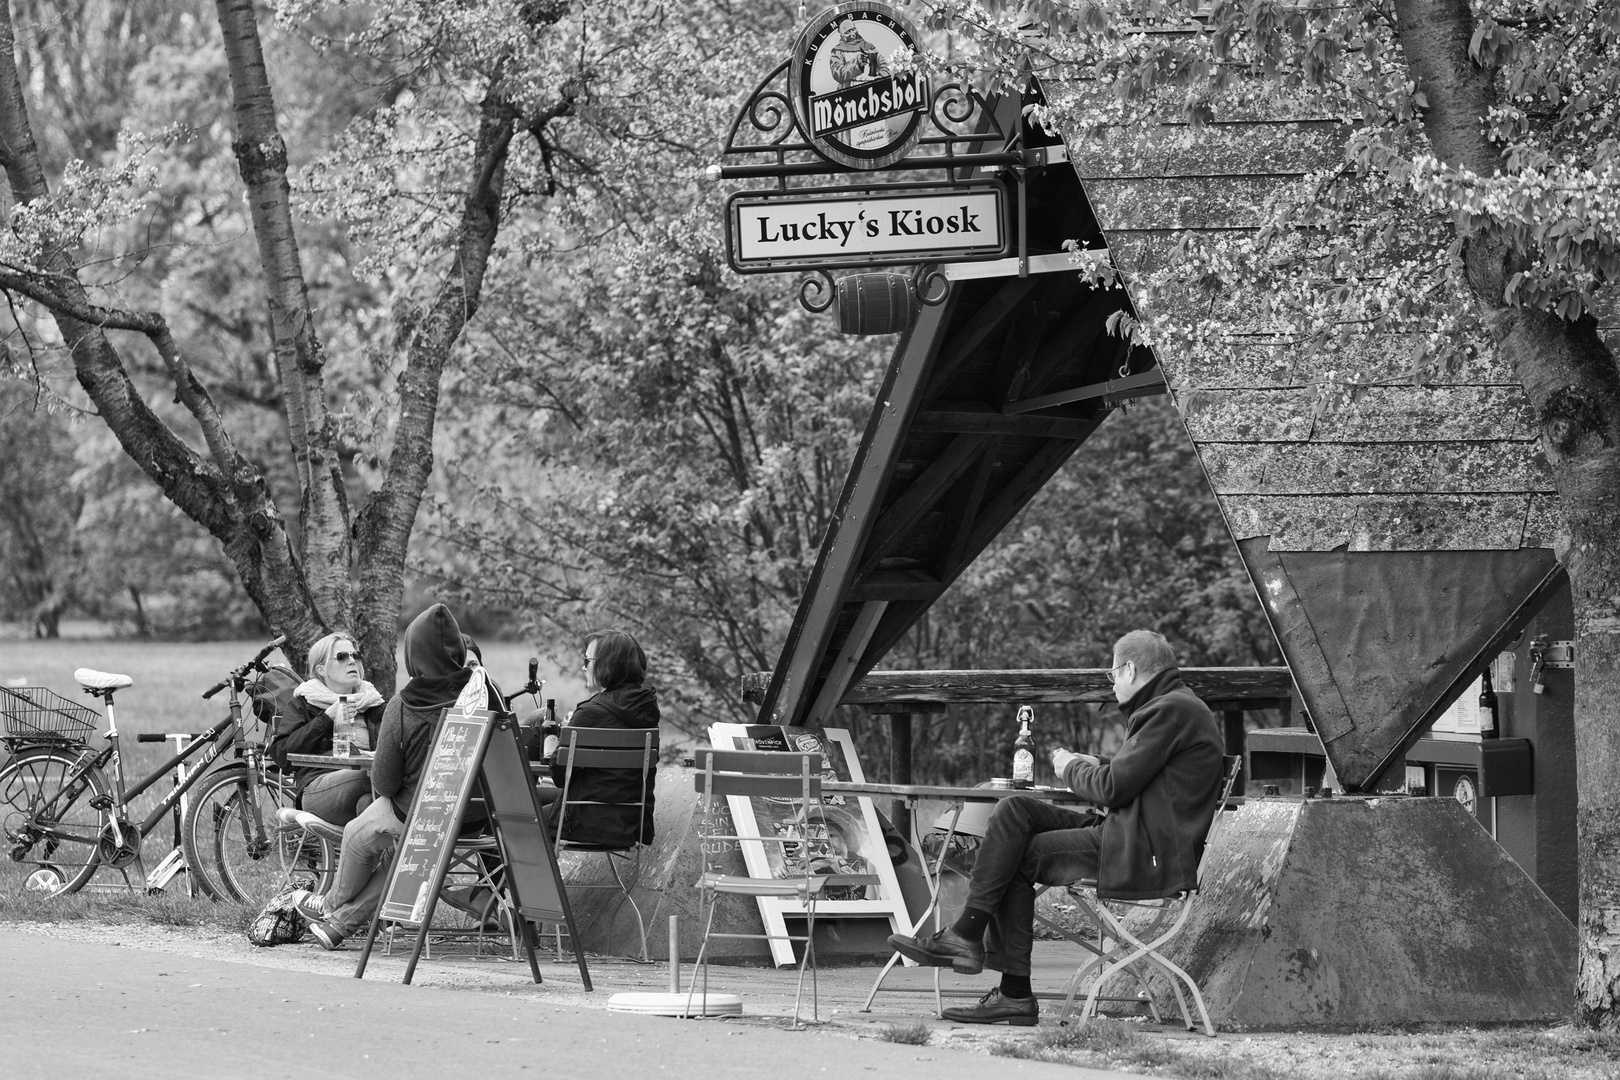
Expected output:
{"points": [[171, 676], [1540, 1052]]}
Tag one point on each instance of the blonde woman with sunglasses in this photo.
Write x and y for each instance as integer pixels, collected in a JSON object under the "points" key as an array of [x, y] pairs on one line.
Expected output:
{"points": [[336, 705]]}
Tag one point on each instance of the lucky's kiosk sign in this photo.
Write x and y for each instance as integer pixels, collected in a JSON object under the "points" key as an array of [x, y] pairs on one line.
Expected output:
{"points": [[854, 108], [858, 104]]}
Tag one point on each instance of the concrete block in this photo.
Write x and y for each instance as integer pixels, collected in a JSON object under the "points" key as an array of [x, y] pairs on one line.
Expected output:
{"points": [[1360, 912]]}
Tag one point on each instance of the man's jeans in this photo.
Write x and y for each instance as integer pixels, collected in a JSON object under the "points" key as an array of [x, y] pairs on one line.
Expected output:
{"points": [[1028, 841], [362, 870]]}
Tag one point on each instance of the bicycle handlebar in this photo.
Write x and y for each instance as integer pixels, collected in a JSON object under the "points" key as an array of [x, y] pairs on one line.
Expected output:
{"points": [[241, 672], [533, 685]]}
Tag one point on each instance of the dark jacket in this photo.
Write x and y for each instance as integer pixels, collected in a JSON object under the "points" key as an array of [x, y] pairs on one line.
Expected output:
{"points": [[632, 706], [1160, 790], [307, 729], [434, 659]]}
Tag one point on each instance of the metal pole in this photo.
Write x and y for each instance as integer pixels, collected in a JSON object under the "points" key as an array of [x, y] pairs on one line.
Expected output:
{"points": [[674, 954]]}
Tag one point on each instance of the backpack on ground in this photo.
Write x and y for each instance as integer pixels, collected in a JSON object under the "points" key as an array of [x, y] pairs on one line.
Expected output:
{"points": [[278, 924]]}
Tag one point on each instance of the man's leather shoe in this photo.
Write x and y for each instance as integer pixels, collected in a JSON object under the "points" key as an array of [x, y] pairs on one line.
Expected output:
{"points": [[993, 1008], [945, 949]]}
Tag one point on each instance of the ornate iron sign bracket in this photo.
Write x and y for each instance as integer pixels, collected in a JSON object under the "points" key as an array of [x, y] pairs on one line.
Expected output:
{"points": [[950, 130]]}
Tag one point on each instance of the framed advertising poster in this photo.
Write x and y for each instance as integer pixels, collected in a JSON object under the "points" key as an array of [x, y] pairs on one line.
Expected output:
{"points": [[854, 842]]}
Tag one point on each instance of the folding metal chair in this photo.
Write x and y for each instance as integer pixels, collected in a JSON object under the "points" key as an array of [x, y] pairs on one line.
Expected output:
{"points": [[787, 778], [608, 748], [1120, 950]]}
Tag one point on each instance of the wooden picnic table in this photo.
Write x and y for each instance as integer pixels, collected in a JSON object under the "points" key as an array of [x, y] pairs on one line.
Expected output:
{"points": [[329, 761], [915, 793]]}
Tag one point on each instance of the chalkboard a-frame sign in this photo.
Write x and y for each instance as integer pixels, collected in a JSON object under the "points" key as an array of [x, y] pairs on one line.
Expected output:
{"points": [[474, 749]]}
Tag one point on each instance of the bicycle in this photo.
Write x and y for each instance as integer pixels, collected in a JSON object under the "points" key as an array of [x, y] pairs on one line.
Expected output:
{"points": [[58, 813]]}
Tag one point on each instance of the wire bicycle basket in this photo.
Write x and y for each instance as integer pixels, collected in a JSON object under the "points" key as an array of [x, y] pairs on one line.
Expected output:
{"points": [[35, 713]]}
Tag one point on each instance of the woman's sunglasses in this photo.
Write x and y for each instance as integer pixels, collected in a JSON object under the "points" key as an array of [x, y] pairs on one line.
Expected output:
{"points": [[344, 657]]}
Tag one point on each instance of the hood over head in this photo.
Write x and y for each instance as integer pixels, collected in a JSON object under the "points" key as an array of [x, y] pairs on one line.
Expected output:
{"points": [[435, 659], [433, 646]]}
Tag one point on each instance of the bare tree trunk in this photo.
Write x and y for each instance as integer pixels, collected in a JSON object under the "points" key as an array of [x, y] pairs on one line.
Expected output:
{"points": [[261, 157], [383, 530], [1572, 381], [142, 627]]}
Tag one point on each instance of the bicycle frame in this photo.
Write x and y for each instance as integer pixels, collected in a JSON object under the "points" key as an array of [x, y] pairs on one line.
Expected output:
{"points": [[218, 738], [122, 795]]}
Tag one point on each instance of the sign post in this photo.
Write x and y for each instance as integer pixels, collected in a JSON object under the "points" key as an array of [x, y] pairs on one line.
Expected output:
{"points": [[474, 748]]}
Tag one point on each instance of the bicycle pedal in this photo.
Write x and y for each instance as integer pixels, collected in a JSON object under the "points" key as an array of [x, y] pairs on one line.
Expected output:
{"points": [[101, 802]]}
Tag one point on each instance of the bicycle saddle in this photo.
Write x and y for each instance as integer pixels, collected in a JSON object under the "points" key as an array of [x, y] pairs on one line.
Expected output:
{"points": [[101, 680]]}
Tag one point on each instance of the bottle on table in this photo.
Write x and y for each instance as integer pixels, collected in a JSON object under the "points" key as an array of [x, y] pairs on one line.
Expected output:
{"points": [[550, 728], [1023, 770], [343, 729], [1488, 727]]}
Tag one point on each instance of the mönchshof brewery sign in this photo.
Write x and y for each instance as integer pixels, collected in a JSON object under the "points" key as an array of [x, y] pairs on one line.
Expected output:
{"points": [[854, 108], [874, 226]]}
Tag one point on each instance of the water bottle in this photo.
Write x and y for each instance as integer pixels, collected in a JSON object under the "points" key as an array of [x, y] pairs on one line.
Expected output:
{"points": [[1023, 770], [342, 730]]}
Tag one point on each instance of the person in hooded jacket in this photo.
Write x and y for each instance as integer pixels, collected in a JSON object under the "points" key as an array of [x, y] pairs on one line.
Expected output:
{"points": [[335, 700], [1160, 790], [435, 660], [616, 668]]}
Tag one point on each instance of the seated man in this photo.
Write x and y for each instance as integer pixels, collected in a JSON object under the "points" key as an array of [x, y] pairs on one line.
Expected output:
{"points": [[1160, 790]]}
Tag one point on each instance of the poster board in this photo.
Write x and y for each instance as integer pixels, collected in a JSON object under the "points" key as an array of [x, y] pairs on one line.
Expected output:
{"points": [[436, 814], [475, 749], [852, 820]]}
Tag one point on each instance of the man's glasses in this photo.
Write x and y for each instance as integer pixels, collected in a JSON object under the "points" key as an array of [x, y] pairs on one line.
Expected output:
{"points": [[344, 657], [1118, 668]]}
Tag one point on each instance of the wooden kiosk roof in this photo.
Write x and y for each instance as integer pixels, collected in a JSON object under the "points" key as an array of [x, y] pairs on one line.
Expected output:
{"points": [[985, 398]]}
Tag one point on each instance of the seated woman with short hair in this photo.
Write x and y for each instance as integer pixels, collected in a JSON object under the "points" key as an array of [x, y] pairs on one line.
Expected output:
{"points": [[337, 702], [615, 667]]}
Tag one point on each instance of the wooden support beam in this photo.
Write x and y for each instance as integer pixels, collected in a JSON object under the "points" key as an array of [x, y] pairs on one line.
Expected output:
{"points": [[900, 769], [1013, 495], [1142, 384], [1066, 350], [842, 672], [925, 491], [814, 623], [896, 585], [880, 690], [978, 329], [962, 511], [978, 418]]}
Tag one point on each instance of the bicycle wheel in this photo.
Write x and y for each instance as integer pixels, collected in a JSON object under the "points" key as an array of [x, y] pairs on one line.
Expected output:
{"points": [[47, 817], [231, 852]]}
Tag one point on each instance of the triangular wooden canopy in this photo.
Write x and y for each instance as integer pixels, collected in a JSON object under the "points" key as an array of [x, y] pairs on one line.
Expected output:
{"points": [[986, 397]]}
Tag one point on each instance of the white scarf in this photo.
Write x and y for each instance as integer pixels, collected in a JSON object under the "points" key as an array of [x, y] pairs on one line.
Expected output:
{"points": [[318, 693]]}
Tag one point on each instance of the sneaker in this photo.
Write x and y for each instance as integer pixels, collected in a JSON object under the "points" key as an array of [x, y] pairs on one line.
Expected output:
{"points": [[315, 826], [326, 935], [311, 906], [993, 1008], [944, 949]]}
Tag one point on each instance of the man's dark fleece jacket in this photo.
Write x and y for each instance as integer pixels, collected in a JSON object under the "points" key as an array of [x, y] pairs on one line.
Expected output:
{"points": [[632, 705], [434, 659], [1160, 790]]}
